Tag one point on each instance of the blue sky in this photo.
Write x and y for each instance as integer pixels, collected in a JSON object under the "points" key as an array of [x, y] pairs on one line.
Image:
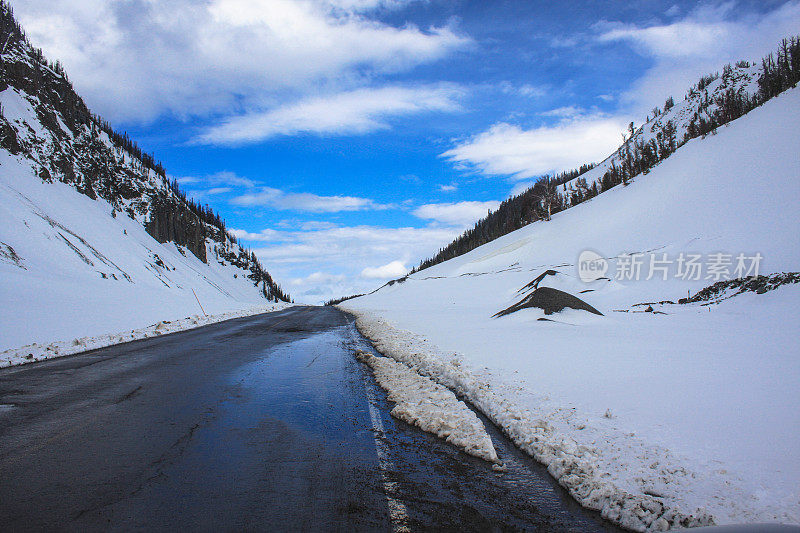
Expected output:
{"points": [[345, 140]]}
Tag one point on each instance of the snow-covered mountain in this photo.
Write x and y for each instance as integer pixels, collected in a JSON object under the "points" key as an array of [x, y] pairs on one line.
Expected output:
{"points": [[95, 237], [677, 405]]}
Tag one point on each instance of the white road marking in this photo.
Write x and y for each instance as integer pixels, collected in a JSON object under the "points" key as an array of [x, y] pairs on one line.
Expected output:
{"points": [[398, 514]]}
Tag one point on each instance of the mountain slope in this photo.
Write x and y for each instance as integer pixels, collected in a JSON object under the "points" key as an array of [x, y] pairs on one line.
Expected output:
{"points": [[685, 411], [713, 101], [95, 237]]}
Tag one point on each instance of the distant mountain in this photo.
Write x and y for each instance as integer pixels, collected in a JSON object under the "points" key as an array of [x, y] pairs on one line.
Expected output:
{"points": [[87, 213], [713, 101]]}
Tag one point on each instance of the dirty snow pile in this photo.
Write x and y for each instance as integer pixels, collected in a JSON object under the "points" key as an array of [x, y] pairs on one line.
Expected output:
{"points": [[40, 352], [675, 417], [431, 407]]}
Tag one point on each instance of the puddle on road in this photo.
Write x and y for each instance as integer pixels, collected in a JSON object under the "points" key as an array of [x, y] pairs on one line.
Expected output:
{"points": [[314, 386]]}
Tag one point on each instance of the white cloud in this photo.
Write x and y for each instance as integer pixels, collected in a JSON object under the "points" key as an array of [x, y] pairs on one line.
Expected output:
{"points": [[265, 235], [318, 278], [458, 214], [218, 179], [353, 112], [354, 6], [566, 111], [395, 269], [506, 149], [699, 43], [531, 91], [681, 39], [139, 60], [278, 199], [346, 251], [448, 188], [312, 225]]}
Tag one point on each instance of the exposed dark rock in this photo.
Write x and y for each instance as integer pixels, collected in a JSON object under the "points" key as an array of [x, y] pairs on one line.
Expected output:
{"points": [[171, 221], [535, 283], [550, 301], [722, 290]]}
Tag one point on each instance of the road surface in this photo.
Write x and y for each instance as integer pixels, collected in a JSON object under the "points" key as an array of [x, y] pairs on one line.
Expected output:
{"points": [[261, 423]]}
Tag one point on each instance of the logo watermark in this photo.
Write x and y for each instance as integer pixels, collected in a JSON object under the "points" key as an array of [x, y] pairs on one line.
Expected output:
{"points": [[713, 267], [591, 266]]}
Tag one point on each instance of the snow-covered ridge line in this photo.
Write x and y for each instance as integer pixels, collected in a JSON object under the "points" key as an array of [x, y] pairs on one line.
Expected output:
{"points": [[577, 467], [41, 352], [422, 402]]}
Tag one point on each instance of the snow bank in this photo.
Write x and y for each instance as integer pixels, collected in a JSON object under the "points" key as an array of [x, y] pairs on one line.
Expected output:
{"points": [[422, 402], [656, 419], [40, 352], [575, 466]]}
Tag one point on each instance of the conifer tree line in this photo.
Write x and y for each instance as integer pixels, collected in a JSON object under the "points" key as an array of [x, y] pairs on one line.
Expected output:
{"points": [[118, 171], [779, 72]]}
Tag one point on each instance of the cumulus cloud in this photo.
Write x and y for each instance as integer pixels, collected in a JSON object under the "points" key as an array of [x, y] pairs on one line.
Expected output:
{"points": [[395, 269], [353, 112], [509, 150], [140, 60], [313, 203], [458, 214]]}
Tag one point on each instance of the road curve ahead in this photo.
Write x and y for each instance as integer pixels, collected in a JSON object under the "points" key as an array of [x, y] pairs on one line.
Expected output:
{"points": [[261, 423]]}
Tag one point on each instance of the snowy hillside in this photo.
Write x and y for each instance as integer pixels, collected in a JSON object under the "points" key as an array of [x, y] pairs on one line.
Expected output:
{"points": [[679, 121], [714, 101], [662, 414], [95, 238]]}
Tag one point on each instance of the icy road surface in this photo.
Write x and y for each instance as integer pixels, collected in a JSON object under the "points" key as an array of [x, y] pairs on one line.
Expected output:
{"points": [[258, 423]]}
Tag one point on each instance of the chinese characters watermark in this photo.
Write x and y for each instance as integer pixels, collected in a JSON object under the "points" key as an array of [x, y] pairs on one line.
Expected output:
{"points": [[661, 266]]}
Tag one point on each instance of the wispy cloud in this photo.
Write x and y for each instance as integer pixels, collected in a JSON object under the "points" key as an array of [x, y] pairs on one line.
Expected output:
{"points": [[456, 214], [354, 112], [509, 150], [526, 89], [312, 203], [218, 179]]}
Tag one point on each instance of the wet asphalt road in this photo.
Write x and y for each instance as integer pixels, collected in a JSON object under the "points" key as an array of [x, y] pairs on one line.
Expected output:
{"points": [[262, 423]]}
